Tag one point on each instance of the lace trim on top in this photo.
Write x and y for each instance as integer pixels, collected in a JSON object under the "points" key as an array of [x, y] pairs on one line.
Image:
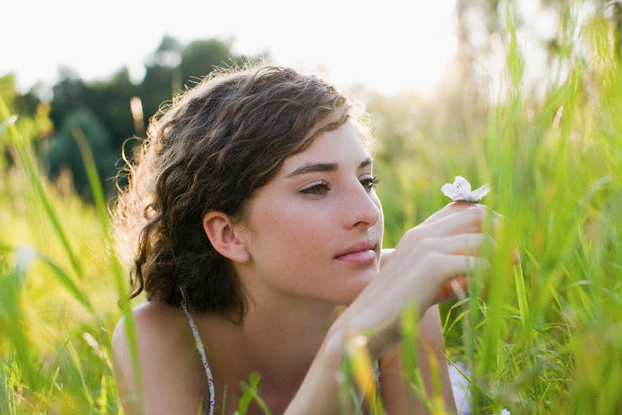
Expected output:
{"points": [[201, 348]]}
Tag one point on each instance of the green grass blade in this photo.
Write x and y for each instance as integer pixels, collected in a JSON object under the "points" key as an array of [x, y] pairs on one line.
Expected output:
{"points": [[43, 198], [66, 281]]}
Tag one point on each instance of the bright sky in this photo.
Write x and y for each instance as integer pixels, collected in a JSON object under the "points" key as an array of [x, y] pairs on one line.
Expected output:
{"points": [[389, 45]]}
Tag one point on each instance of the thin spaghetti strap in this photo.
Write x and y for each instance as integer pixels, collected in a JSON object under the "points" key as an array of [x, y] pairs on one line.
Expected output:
{"points": [[201, 348], [377, 376]]}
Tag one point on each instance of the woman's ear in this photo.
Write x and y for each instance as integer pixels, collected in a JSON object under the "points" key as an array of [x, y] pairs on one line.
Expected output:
{"points": [[223, 235]]}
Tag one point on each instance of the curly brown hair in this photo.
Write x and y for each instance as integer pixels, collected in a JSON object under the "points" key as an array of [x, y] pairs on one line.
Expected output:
{"points": [[217, 143]]}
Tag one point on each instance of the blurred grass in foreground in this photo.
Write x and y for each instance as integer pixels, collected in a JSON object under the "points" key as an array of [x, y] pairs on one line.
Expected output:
{"points": [[548, 338]]}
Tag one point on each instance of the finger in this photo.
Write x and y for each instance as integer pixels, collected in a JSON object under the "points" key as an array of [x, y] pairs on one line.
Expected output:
{"points": [[477, 214], [466, 221], [461, 244], [454, 288], [429, 270], [457, 271], [384, 255], [454, 207]]}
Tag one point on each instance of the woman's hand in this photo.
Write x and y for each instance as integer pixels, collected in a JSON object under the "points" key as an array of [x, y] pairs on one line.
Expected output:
{"points": [[455, 287], [429, 265]]}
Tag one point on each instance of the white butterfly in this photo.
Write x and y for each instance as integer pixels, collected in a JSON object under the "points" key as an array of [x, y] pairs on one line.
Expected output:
{"points": [[460, 191]]}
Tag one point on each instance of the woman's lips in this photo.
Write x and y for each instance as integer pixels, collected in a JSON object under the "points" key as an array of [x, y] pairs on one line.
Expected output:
{"points": [[359, 253]]}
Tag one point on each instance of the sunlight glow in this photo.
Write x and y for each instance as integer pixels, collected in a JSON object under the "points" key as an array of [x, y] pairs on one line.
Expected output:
{"points": [[387, 46]]}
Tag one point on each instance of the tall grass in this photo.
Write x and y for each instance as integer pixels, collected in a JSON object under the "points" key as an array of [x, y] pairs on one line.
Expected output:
{"points": [[56, 312], [546, 337]]}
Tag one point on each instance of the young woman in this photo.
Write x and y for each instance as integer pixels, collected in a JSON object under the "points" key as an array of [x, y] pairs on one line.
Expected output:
{"points": [[259, 244]]}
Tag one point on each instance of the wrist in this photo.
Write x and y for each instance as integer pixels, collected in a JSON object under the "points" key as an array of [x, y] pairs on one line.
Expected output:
{"points": [[376, 335]]}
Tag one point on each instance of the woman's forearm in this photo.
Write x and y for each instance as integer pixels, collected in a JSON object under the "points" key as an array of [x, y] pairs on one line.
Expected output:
{"points": [[319, 392]]}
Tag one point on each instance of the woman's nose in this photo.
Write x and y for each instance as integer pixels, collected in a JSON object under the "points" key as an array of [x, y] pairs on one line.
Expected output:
{"points": [[362, 207]]}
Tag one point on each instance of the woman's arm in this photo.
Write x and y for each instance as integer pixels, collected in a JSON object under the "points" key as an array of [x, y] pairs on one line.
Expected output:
{"points": [[417, 274], [398, 395]]}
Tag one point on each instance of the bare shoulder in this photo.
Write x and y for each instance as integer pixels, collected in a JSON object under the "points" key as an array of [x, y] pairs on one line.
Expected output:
{"points": [[149, 319], [152, 323], [166, 378]]}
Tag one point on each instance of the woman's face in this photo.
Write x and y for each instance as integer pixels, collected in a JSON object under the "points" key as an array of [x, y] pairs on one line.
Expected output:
{"points": [[315, 230]]}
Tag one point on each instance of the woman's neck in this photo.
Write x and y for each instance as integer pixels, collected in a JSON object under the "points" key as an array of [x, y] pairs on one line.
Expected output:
{"points": [[282, 338], [278, 343]]}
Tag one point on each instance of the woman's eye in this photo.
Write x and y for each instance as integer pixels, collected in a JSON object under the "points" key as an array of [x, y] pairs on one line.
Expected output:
{"points": [[319, 189], [370, 183]]}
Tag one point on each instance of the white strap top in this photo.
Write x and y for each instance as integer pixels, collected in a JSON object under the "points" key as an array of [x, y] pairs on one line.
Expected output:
{"points": [[201, 348]]}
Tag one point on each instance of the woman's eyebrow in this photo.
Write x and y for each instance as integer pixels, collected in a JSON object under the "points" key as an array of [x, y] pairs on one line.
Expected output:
{"points": [[368, 161], [323, 167], [313, 167]]}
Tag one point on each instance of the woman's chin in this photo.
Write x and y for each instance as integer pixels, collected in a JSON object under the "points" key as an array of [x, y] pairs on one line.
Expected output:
{"points": [[356, 288]]}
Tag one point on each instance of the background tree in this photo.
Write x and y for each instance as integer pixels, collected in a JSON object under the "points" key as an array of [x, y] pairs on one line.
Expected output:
{"points": [[159, 85], [102, 110], [64, 154], [201, 57]]}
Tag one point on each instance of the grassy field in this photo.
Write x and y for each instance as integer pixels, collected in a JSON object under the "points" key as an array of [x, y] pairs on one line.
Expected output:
{"points": [[547, 338]]}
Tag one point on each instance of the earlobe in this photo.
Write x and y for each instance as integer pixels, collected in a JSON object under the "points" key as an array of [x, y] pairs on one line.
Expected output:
{"points": [[222, 234]]}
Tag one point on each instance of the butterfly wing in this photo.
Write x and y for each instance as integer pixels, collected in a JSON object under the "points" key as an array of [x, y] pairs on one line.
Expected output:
{"points": [[460, 191], [448, 190], [477, 194]]}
